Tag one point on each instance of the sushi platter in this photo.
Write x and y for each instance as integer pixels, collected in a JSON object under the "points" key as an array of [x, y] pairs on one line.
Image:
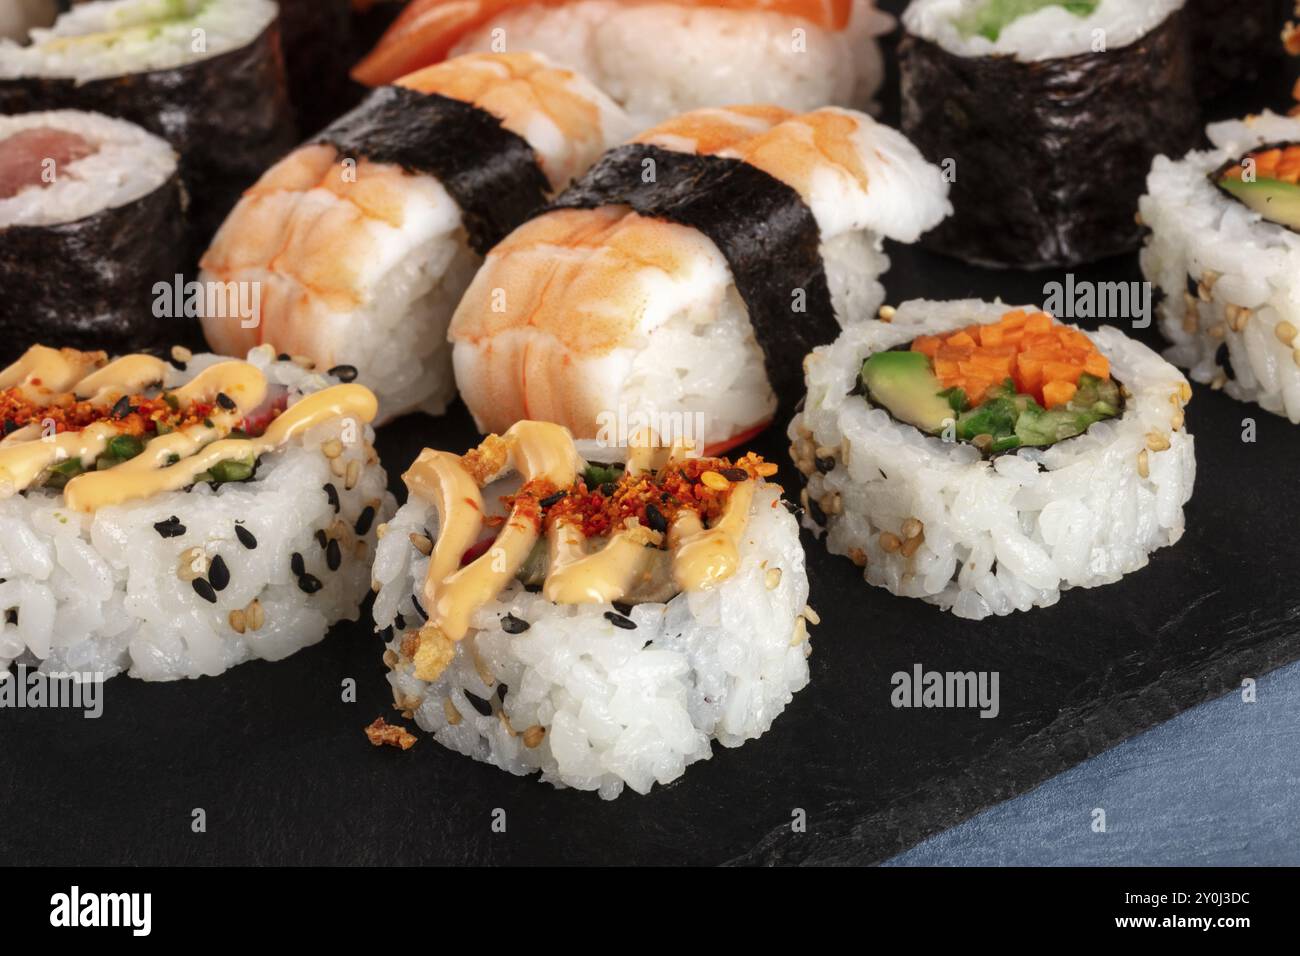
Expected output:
{"points": [[456, 434]]}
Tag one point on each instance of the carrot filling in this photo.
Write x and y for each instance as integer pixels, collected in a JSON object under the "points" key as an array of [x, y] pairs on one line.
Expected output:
{"points": [[1023, 380], [1266, 180]]}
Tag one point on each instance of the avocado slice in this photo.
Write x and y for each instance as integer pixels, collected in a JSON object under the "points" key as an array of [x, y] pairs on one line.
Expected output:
{"points": [[993, 16], [1275, 200], [905, 385]]}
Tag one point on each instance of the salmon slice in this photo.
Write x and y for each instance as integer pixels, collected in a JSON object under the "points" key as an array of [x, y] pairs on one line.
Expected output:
{"points": [[426, 30]]}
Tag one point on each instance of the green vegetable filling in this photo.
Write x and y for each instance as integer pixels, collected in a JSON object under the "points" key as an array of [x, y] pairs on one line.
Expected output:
{"points": [[990, 18]]}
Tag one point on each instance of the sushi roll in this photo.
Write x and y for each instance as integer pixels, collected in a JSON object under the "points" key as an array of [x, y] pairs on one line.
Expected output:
{"points": [[609, 620], [1224, 249], [172, 519], [17, 17], [1235, 42], [363, 240], [658, 59], [1046, 136], [205, 75], [90, 219], [985, 459], [684, 275]]}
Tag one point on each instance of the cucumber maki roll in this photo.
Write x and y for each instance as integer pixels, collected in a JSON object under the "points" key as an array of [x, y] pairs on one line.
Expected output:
{"points": [[172, 519], [90, 218], [1046, 114], [206, 75], [598, 615], [985, 459], [1224, 248]]}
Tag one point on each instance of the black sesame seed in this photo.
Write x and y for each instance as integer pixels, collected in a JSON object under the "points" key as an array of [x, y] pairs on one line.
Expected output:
{"points": [[333, 494], [283, 357], [533, 588], [399, 622], [364, 520], [171, 528], [122, 407], [245, 537], [418, 607], [816, 511], [502, 690], [479, 704], [734, 474], [514, 625], [386, 634], [655, 519], [622, 607], [1224, 361], [321, 539], [218, 573], [825, 465], [10, 426], [798, 406], [344, 373], [297, 565], [309, 583], [204, 590], [553, 499], [608, 489], [618, 620], [791, 507], [333, 555], [11, 616], [225, 401]]}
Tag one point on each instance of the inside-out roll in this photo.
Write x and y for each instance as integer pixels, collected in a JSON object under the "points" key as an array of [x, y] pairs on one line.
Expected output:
{"points": [[682, 278], [599, 615], [363, 240], [985, 459], [1224, 249], [91, 217]]}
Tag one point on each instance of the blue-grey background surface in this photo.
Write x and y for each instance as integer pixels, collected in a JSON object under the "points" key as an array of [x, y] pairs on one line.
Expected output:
{"points": [[1217, 785]]}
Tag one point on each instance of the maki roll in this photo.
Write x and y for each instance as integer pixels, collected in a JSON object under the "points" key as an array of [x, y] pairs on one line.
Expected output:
{"points": [[660, 58], [984, 459], [1046, 135], [174, 518], [363, 240], [1235, 42], [607, 621], [379, 223], [90, 218], [1224, 249], [205, 75], [683, 275]]}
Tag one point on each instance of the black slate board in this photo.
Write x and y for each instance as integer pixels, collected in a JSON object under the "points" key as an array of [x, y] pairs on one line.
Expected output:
{"points": [[279, 763]]}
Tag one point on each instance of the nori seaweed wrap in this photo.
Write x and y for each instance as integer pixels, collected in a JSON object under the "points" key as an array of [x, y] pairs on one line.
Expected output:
{"points": [[91, 220], [225, 109], [1047, 153]]}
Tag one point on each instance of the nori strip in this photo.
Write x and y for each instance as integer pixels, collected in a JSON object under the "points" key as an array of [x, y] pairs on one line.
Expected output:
{"points": [[227, 116], [315, 35], [89, 284], [762, 226], [491, 173], [1050, 156], [1235, 42]]}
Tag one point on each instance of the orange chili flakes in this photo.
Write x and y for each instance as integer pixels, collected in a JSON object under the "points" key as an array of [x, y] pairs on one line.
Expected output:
{"points": [[139, 416], [1042, 357], [654, 499]]}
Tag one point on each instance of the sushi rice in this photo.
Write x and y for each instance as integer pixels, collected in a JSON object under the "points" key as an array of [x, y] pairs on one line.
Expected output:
{"points": [[112, 591], [1230, 278], [596, 706], [999, 535]]}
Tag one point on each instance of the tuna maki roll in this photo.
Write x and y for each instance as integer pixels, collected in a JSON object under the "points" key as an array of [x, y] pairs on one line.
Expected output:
{"points": [[599, 622], [363, 240], [1224, 249], [90, 218], [171, 519], [206, 75], [684, 275], [1047, 114], [985, 459], [661, 58]]}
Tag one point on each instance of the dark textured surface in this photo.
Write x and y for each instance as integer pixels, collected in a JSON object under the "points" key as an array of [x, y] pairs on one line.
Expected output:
{"points": [[1235, 42], [227, 116], [315, 35], [490, 172], [89, 284], [761, 226], [1050, 157]]}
